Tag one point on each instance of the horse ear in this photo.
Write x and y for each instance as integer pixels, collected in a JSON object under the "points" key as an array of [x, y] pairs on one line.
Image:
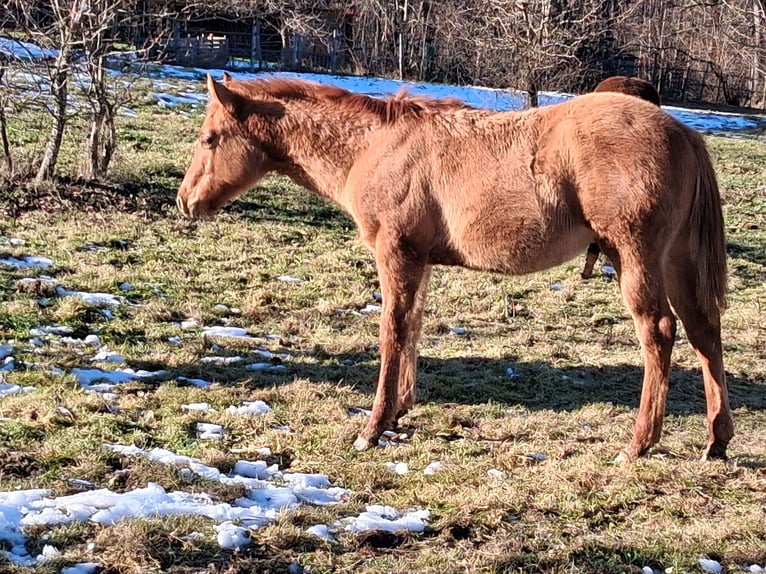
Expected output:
{"points": [[226, 78], [221, 94]]}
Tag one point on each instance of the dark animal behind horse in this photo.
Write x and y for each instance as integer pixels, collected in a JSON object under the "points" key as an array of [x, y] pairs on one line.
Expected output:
{"points": [[431, 182], [631, 87]]}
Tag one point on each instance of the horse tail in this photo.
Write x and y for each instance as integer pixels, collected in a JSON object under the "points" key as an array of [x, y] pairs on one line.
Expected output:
{"points": [[707, 238]]}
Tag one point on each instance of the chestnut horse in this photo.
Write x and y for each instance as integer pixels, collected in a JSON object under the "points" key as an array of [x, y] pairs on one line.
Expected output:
{"points": [[436, 182], [632, 87]]}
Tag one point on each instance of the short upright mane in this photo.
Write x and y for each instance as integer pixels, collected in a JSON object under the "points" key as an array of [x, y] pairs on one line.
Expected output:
{"points": [[389, 109]]}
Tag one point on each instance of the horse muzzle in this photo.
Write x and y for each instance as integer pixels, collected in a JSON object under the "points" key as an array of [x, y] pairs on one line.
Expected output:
{"points": [[194, 209]]}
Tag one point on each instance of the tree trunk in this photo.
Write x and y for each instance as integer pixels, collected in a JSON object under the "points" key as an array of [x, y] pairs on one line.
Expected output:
{"points": [[102, 137], [7, 159], [59, 90]]}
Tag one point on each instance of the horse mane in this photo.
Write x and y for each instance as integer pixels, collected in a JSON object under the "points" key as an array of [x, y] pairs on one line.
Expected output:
{"points": [[389, 109]]}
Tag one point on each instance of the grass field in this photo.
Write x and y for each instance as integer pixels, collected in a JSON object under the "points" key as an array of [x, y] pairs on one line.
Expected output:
{"points": [[527, 481]]}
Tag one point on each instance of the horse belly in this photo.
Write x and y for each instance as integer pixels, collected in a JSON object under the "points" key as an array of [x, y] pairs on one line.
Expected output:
{"points": [[517, 246]]}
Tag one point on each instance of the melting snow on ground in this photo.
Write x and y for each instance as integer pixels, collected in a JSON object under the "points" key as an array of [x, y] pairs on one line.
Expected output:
{"points": [[28, 262], [269, 492]]}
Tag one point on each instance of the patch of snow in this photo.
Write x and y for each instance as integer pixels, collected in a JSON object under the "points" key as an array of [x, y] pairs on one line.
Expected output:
{"points": [[266, 354], [220, 360], [458, 331], [88, 377], [28, 262], [201, 383], [385, 518], [175, 340], [231, 536], [398, 467], [11, 241], [321, 531], [190, 324], [495, 473], [264, 501], [43, 330], [710, 566], [210, 431], [265, 367], [90, 340], [289, 279], [24, 50], [202, 407], [96, 299], [433, 467], [106, 356], [250, 408], [8, 389], [6, 350], [81, 568], [230, 332], [358, 411], [256, 469], [369, 308]]}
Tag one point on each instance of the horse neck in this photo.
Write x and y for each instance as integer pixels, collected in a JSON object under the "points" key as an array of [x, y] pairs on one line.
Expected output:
{"points": [[322, 143]]}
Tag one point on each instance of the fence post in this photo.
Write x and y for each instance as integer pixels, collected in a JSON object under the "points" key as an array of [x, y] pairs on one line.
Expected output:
{"points": [[176, 36], [297, 48], [255, 48], [334, 52]]}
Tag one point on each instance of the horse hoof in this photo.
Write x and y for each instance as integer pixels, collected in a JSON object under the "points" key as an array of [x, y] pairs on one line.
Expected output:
{"points": [[362, 443], [714, 452]]}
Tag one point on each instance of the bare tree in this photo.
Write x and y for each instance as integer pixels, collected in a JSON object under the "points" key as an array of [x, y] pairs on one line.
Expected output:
{"points": [[7, 157], [97, 33], [52, 28]]}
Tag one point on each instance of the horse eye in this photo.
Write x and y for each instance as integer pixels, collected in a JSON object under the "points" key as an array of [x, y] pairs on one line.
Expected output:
{"points": [[208, 140]]}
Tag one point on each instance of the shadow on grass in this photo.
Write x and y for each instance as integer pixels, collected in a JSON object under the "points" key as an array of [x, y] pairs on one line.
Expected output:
{"points": [[473, 380], [754, 272], [150, 193], [282, 203]]}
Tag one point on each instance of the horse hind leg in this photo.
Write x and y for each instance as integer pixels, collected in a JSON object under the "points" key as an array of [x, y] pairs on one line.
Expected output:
{"points": [[644, 295], [704, 334]]}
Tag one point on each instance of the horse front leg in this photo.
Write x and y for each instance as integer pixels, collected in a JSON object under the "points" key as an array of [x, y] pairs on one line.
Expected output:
{"points": [[401, 279]]}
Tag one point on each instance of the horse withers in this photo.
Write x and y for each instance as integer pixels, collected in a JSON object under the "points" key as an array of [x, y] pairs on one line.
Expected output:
{"points": [[436, 182], [632, 87]]}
